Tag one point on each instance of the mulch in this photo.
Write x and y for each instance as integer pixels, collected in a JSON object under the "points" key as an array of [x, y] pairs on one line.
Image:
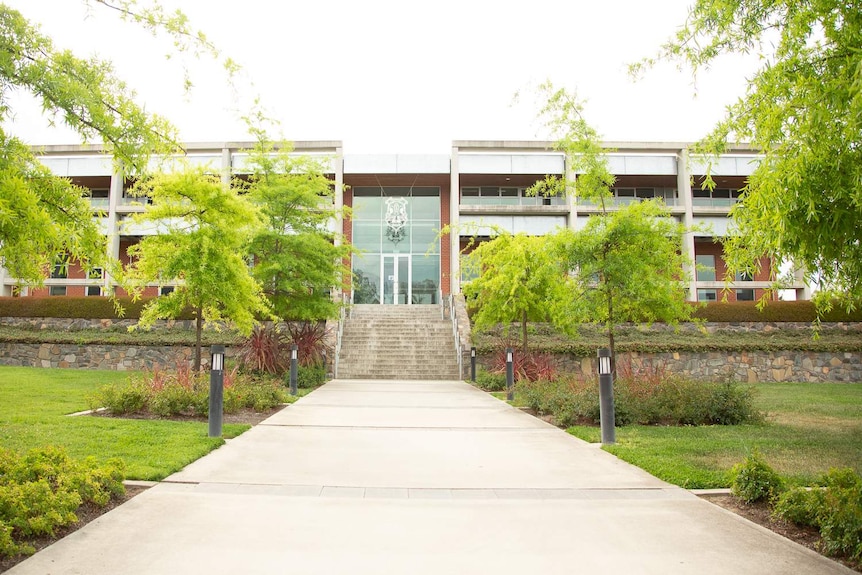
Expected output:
{"points": [[760, 513]]}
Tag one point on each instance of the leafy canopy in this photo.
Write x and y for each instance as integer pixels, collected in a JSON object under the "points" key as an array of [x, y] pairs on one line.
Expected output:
{"points": [[297, 258], [625, 264], [803, 110], [204, 229], [41, 215], [514, 279]]}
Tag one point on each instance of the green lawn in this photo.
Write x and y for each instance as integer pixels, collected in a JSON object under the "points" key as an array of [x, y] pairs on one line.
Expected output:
{"points": [[809, 429], [34, 408]]}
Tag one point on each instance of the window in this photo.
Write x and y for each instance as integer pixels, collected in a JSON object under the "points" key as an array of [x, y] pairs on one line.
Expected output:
{"points": [[705, 268], [61, 268], [745, 295], [96, 274], [706, 295], [57, 290], [744, 277], [165, 290], [93, 290]]}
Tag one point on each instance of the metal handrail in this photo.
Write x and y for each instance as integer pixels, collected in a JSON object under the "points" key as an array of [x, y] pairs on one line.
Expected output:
{"points": [[442, 305], [342, 317], [458, 350]]}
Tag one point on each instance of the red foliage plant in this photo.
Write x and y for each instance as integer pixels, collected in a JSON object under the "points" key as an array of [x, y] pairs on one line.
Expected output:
{"points": [[311, 341], [265, 350], [532, 366]]}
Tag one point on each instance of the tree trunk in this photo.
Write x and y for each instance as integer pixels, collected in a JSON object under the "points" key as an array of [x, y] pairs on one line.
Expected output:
{"points": [[524, 333], [610, 326], [198, 331]]}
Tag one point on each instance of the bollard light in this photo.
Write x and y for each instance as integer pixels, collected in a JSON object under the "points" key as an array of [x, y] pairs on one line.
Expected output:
{"points": [[604, 361], [606, 396], [510, 374], [473, 364], [293, 368], [216, 399]]}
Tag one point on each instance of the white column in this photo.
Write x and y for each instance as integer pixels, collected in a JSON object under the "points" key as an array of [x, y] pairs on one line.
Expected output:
{"points": [[571, 194], [454, 220], [683, 185], [226, 167], [338, 168], [112, 226]]}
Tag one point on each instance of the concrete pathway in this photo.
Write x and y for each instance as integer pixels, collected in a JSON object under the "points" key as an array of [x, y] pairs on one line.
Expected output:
{"points": [[375, 477]]}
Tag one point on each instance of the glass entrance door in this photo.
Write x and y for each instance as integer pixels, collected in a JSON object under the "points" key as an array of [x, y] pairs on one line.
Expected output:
{"points": [[396, 279]]}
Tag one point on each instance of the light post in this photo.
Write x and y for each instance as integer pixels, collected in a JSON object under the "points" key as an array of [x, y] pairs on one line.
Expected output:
{"points": [[510, 374], [606, 397], [293, 361], [473, 364], [216, 390]]}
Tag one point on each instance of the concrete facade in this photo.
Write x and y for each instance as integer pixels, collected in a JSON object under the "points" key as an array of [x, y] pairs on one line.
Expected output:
{"points": [[478, 184]]}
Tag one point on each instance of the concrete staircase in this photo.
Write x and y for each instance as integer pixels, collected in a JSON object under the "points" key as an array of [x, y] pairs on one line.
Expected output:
{"points": [[397, 342]]}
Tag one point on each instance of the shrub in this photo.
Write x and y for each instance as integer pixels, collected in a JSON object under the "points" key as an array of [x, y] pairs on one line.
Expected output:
{"points": [[89, 307], [490, 381], [775, 311], [799, 505], [310, 377], [266, 350], [729, 403], [40, 492], [311, 340], [531, 366], [186, 393], [840, 517], [754, 480]]}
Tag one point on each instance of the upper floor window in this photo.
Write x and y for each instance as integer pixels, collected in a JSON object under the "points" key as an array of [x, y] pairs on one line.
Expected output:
{"points": [[705, 268]]}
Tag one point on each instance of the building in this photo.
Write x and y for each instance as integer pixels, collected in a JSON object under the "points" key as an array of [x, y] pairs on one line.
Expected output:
{"points": [[400, 202]]}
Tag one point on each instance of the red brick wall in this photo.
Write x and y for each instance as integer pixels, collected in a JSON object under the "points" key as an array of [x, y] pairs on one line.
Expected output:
{"points": [[445, 242], [714, 248]]}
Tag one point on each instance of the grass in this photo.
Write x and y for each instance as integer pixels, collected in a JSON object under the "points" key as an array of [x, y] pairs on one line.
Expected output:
{"points": [[34, 408], [809, 429]]}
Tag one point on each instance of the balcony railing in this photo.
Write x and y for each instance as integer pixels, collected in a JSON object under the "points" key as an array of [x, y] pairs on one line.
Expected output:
{"points": [[714, 202], [511, 201]]}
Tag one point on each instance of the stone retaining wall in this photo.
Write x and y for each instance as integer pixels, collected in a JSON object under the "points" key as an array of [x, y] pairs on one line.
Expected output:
{"points": [[116, 357], [751, 367]]}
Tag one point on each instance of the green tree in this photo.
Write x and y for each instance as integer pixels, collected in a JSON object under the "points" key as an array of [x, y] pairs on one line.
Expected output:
{"points": [[803, 111], [42, 216], [297, 258], [625, 264], [514, 278], [204, 230]]}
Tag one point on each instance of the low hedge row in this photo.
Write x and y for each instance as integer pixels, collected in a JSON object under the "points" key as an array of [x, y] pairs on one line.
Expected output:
{"points": [[75, 307], [777, 311]]}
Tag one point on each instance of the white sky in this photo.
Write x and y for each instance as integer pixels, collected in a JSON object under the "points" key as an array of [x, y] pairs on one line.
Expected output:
{"points": [[399, 76]]}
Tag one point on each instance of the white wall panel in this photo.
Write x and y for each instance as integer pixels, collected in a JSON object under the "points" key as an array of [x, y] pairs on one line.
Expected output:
{"points": [[714, 226], [79, 166]]}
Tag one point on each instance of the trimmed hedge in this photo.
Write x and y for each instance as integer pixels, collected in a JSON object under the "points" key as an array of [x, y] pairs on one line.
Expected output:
{"points": [[776, 311], [91, 307]]}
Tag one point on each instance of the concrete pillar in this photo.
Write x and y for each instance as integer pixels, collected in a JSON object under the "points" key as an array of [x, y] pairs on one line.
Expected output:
{"points": [[454, 220], [338, 168], [683, 179], [571, 194], [226, 166], [112, 226]]}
